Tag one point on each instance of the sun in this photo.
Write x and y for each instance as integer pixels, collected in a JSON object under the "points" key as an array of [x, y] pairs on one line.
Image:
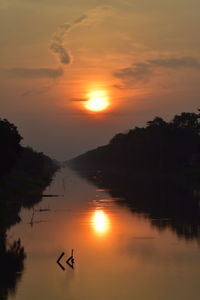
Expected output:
{"points": [[97, 101]]}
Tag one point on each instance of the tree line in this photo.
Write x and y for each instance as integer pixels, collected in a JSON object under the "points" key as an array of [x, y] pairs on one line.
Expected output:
{"points": [[159, 146]]}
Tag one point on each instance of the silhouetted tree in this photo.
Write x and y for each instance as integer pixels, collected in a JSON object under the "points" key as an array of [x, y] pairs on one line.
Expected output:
{"points": [[187, 121], [10, 145], [157, 122], [160, 146]]}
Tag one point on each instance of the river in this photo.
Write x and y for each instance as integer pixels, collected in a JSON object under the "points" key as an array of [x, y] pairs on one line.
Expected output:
{"points": [[118, 253]]}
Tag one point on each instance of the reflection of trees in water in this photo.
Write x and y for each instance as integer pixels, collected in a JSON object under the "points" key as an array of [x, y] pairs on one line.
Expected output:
{"points": [[134, 164], [188, 228], [24, 174], [12, 256], [34, 180], [12, 266], [164, 201]]}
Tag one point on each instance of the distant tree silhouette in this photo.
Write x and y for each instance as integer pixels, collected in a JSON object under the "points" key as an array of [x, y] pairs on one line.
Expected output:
{"points": [[10, 145], [157, 122], [160, 146], [187, 121]]}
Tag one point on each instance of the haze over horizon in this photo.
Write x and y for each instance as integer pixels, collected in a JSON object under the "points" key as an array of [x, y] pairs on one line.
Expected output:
{"points": [[142, 56]]}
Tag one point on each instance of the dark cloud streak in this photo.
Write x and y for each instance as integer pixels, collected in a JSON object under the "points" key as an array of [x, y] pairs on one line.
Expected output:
{"points": [[33, 73], [181, 62], [137, 71], [57, 46], [78, 99], [142, 71]]}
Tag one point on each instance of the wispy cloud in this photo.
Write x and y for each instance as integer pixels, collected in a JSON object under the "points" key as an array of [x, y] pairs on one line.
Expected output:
{"points": [[78, 99], [57, 44], [137, 72], [57, 47], [173, 62], [31, 73], [143, 71], [39, 90]]}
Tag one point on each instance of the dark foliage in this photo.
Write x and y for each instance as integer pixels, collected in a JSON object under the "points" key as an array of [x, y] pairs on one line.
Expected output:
{"points": [[32, 173], [10, 145], [160, 146], [24, 175]]}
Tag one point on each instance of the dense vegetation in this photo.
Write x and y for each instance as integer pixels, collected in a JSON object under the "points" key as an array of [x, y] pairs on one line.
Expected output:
{"points": [[10, 145], [159, 147], [24, 174]]}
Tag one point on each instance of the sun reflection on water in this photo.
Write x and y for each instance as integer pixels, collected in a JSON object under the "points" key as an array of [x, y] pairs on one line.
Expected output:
{"points": [[100, 222]]}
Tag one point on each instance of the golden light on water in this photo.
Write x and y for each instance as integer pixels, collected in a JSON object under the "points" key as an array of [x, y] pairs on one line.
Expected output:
{"points": [[100, 222], [97, 101]]}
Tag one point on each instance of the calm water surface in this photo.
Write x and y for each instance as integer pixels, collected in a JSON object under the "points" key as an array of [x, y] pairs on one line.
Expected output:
{"points": [[118, 254]]}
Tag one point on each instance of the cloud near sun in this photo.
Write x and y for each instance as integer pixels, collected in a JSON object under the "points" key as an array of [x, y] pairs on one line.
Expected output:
{"points": [[57, 43], [28, 73], [142, 71]]}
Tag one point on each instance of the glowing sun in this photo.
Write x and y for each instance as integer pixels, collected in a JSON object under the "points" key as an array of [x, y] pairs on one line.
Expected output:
{"points": [[97, 101]]}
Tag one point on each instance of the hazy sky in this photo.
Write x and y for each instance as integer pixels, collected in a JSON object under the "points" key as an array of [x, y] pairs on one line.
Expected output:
{"points": [[143, 53]]}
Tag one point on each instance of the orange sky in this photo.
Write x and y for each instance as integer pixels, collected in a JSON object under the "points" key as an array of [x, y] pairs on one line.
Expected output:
{"points": [[144, 56]]}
